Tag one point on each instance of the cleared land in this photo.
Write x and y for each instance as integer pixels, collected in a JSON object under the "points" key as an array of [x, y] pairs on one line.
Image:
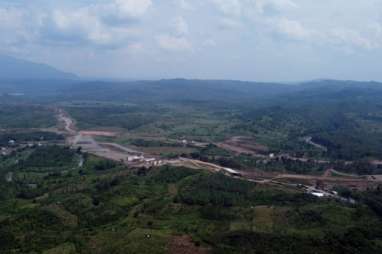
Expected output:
{"points": [[117, 152]]}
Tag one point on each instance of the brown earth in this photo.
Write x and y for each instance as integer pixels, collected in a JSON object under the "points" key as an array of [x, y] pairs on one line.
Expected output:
{"points": [[236, 144], [329, 182], [244, 145], [99, 133], [185, 245]]}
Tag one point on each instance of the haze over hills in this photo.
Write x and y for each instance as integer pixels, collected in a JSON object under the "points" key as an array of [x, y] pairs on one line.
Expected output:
{"points": [[289, 158], [190, 127], [17, 69]]}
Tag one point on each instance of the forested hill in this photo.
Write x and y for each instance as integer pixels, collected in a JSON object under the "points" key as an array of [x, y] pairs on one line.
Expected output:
{"points": [[228, 91], [212, 90], [17, 69], [177, 90], [345, 116]]}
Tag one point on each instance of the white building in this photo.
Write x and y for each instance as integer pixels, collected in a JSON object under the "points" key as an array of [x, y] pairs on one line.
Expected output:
{"points": [[318, 194]]}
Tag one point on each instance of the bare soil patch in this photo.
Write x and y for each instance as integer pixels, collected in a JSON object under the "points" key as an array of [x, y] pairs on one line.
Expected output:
{"points": [[185, 245], [330, 182], [99, 133], [244, 145]]}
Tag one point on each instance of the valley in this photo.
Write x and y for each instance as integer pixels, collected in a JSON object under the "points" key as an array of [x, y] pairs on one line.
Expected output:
{"points": [[190, 127], [157, 175], [86, 140]]}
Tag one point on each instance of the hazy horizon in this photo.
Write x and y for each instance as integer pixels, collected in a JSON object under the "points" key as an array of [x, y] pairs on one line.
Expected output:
{"points": [[28, 67]]}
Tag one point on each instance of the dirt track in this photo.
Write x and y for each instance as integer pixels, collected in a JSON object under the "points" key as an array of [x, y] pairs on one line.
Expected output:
{"points": [[185, 245], [116, 152], [85, 140], [309, 140], [242, 145], [68, 123]]}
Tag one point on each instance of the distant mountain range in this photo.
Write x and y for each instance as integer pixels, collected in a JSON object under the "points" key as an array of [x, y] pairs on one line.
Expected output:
{"points": [[16, 69]]}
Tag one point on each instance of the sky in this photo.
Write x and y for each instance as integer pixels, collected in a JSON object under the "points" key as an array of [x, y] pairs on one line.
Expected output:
{"points": [[257, 40]]}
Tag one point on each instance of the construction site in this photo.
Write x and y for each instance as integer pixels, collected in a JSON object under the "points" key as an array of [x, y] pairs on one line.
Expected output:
{"points": [[318, 185]]}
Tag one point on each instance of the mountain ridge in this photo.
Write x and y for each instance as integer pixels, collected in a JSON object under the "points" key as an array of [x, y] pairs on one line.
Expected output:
{"points": [[15, 69]]}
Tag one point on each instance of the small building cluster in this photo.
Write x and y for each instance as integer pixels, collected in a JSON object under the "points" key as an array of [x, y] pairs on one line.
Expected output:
{"points": [[232, 172], [143, 161], [4, 151]]}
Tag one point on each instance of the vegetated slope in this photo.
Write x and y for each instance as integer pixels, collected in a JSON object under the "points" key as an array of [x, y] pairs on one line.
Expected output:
{"points": [[177, 90], [345, 117], [195, 109], [53, 205], [25, 116], [17, 69]]}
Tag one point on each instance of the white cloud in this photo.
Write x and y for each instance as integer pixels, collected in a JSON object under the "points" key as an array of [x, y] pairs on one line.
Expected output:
{"points": [[116, 23], [293, 29], [83, 26], [341, 37], [173, 43], [181, 26], [132, 8], [13, 27], [111, 24], [230, 24], [209, 43], [275, 5], [177, 38], [184, 5], [282, 17], [265, 30], [10, 17], [240, 8], [135, 47], [229, 7]]}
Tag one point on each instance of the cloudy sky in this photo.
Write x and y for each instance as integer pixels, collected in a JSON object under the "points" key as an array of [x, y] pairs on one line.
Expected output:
{"points": [[264, 40]]}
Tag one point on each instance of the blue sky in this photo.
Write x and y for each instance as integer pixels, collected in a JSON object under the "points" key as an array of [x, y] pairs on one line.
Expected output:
{"points": [[263, 40]]}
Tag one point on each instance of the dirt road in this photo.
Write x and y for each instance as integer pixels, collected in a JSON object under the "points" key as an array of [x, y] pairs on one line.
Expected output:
{"points": [[309, 140], [88, 144], [243, 145], [117, 152], [67, 122]]}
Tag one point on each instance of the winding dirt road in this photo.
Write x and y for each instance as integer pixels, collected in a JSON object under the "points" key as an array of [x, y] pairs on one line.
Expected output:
{"points": [[117, 152], [88, 144]]}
